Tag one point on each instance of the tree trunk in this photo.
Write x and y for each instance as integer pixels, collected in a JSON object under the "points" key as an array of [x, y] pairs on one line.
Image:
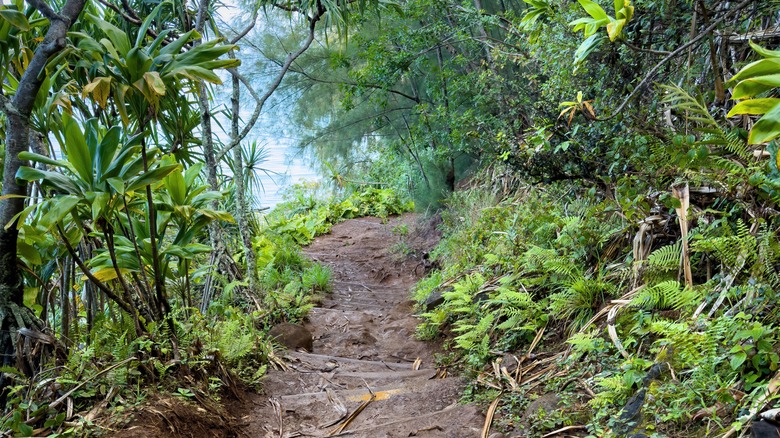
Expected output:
{"points": [[13, 314], [242, 207]]}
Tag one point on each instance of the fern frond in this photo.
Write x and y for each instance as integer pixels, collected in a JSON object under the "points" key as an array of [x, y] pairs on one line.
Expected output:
{"points": [[687, 346], [667, 295], [665, 258], [697, 110]]}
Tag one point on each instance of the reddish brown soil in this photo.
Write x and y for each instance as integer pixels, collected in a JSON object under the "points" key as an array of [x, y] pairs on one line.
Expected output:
{"points": [[363, 361], [364, 344]]}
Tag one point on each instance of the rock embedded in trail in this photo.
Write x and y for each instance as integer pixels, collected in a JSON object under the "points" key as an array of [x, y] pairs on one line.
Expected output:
{"points": [[292, 336]]}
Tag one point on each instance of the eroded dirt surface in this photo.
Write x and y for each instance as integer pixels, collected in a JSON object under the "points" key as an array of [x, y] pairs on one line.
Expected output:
{"points": [[364, 365]]}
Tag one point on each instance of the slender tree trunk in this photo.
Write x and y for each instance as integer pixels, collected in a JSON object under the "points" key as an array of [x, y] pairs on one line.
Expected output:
{"points": [[238, 178], [209, 155], [13, 314]]}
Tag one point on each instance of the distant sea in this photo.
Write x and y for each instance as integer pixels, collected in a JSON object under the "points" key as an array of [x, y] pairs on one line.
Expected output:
{"points": [[289, 168]]}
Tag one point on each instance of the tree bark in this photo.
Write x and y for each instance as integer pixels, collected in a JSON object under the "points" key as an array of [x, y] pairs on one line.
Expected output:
{"points": [[242, 207], [13, 314]]}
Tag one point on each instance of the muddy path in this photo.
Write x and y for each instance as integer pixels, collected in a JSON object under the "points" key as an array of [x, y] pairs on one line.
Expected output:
{"points": [[367, 376]]}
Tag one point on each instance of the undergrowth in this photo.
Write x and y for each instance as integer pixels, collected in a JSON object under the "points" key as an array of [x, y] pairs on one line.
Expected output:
{"points": [[218, 351], [540, 275]]}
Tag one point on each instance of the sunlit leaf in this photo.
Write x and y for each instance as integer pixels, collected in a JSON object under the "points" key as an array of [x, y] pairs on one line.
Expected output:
{"points": [[754, 106], [99, 88]]}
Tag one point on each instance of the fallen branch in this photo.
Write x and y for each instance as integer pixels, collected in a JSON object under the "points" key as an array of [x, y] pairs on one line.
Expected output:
{"points": [[354, 414], [564, 429], [491, 412], [613, 331]]}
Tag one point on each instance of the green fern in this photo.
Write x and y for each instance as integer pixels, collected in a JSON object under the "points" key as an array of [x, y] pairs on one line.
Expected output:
{"points": [[548, 262], [667, 295], [580, 300], [686, 347], [733, 248], [666, 258], [768, 256]]}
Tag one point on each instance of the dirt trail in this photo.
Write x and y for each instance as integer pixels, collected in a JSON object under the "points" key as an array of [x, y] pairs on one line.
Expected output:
{"points": [[363, 344]]}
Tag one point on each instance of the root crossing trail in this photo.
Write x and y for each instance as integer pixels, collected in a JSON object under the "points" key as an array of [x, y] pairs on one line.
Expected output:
{"points": [[363, 377]]}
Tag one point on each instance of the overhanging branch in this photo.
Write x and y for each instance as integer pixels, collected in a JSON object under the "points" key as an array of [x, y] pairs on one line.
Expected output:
{"points": [[274, 85], [672, 55]]}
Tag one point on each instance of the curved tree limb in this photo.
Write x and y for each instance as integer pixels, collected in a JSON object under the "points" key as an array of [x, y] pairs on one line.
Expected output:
{"points": [[18, 111], [674, 54], [274, 85]]}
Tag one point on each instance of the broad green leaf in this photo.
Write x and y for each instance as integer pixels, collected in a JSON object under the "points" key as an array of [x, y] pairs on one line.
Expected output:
{"points": [[99, 205], [117, 184], [50, 179], [754, 106], [107, 149], [20, 218], [29, 253], [626, 13], [192, 173], [76, 149], [111, 49], [194, 73], [593, 9], [176, 187], [208, 51], [119, 98], [737, 360], [87, 44], [16, 18], [151, 177], [116, 166], [587, 46], [38, 158], [218, 215], [175, 47], [766, 53], [116, 35], [138, 63], [59, 207], [148, 22], [220, 63], [30, 296], [756, 85], [762, 67], [152, 48], [767, 128]]}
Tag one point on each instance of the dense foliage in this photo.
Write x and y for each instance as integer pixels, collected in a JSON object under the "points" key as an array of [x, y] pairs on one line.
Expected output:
{"points": [[615, 228], [619, 210]]}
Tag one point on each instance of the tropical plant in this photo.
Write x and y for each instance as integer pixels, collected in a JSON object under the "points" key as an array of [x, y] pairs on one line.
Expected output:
{"points": [[750, 83]]}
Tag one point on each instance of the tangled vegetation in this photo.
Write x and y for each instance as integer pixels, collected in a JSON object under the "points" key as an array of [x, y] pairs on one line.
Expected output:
{"points": [[608, 172], [609, 175]]}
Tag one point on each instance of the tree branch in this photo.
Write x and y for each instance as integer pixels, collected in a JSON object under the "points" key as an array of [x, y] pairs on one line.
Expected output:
{"points": [[673, 54], [246, 30], [353, 84], [47, 11], [109, 293], [274, 85]]}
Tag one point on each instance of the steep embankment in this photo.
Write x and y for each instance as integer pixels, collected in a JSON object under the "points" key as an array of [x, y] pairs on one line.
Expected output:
{"points": [[367, 376]]}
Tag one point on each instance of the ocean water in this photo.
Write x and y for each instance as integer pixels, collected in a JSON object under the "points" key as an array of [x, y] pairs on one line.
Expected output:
{"points": [[285, 168]]}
